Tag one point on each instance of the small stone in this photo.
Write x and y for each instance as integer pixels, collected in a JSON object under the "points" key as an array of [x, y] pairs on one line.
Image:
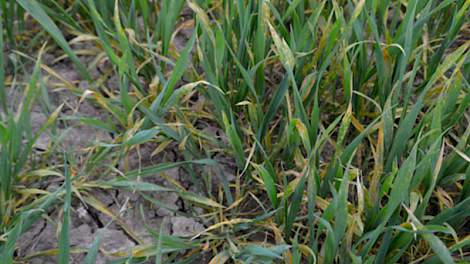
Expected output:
{"points": [[38, 119], [198, 210], [185, 227], [80, 137], [219, 174], [81, 236], [168, 199], [66, 72], [84, 215], [173, 174], [84, 85], [42, 142], [114, 240]]}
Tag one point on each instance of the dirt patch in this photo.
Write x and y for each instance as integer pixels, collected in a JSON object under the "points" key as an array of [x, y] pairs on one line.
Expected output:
{"points": [[127, 218]]}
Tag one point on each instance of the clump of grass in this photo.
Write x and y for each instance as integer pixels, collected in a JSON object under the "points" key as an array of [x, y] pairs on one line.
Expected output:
{"points": [[346, 121]]}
